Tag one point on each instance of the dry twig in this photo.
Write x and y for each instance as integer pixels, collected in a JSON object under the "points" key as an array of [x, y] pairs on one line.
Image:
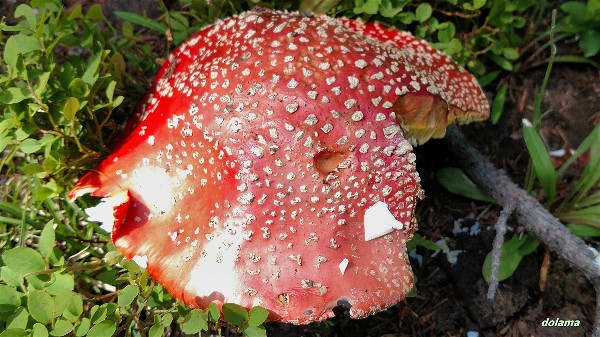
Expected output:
{"points": [[497, 249]]}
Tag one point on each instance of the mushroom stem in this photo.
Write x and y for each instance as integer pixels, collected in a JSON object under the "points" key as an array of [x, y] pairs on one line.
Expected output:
{"points": [[529, 212]]}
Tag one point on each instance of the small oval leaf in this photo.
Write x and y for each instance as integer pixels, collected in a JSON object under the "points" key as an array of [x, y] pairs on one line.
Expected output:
{"points": [[23, 260], [41, 306]]}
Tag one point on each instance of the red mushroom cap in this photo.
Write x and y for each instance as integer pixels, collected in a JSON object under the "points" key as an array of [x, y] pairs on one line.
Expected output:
{"points": [[266, 167]]}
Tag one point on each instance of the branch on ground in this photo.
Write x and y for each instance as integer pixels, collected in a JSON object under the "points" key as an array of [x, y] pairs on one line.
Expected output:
{"points": [[529, 212]]}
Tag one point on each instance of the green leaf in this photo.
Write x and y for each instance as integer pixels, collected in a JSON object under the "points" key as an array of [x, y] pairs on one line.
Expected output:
{"points": [[513, 252], [118, 100], [74, 309], [583, 230], [142, 21], [10, 299], [194, 322], [23, 260], [61, 284], [128, 294], [18, 319], [41, 306], [47, 238], [102, 329], [590, 43], [83, 327], [213, 312], [589, 216], [509, 261], [156, 330], [366, 6], [529, 245], [13, 333], [14, 95], [167, 319], [257, 316], [446, 34], [62, 327], [76, 13], [94, 13], [318, 6], [27, 12], [477, 4], [50, 165], [255, 331], [10, 277], [32, 169], [235, 314], [498, 104], [98, 314], [423, 12], [502, 62], [91, 72], [113, 257], [30, 145], [26, 43], [540, 159], [455, 181], [11, 53], [78, 88], [70, 108], [510, 53], [110, 90], [574, 8], [40, 330]]}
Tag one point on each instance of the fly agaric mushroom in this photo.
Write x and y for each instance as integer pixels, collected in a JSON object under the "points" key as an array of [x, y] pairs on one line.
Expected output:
{"points": [[266, 166]]}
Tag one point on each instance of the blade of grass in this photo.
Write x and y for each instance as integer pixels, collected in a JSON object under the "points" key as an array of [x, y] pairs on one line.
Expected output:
{"points": [[542, 164], [584, 230], [589, 178], [574, 59], [585, 145], [142, 21], [591, 200], [540, 94], [589, 216], [455, 181]]}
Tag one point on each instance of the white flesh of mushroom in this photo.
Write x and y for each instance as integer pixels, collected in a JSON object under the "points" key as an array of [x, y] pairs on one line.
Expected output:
{"points": [[104, 211], [343, 266], [379, 221]]}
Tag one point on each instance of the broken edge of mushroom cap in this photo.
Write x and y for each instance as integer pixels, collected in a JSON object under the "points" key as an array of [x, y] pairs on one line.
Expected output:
{"points": [[449, 93]]}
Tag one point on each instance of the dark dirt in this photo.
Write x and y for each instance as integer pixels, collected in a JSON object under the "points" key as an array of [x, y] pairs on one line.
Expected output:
{"points": [[451, 299]]}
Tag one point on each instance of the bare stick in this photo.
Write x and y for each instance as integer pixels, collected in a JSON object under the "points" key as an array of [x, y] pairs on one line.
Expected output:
{"points": [[497, 249], [530, 213]]}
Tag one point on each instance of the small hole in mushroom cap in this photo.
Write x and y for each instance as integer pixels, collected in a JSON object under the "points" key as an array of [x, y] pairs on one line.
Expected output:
{"points": [[344, 302], [308, 312], [328, 161]]}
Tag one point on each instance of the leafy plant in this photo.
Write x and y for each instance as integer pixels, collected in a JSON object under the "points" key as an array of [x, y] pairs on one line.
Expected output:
{"points": [[582, 21], [476, 33]]}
